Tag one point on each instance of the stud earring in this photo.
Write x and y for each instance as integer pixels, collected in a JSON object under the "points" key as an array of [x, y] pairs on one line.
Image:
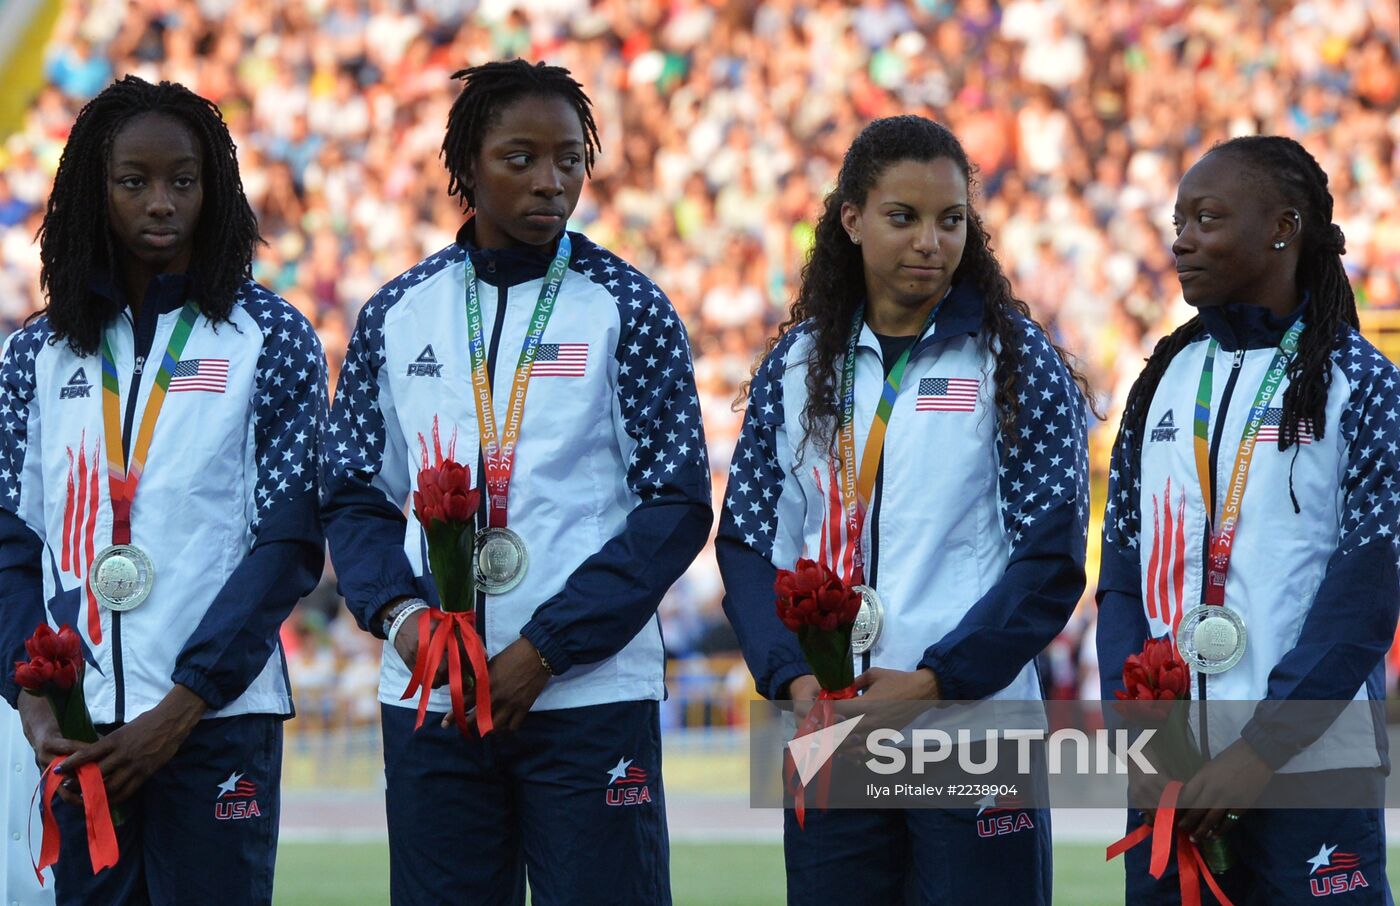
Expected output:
{"points": [[855, 240], [1278, 246]]}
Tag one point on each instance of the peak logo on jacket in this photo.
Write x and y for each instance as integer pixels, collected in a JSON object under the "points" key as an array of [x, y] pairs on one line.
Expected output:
{"points": [[426, 365], [1166, 429], [77, 388], [237, 799], [627, 784], [1333, 872]]}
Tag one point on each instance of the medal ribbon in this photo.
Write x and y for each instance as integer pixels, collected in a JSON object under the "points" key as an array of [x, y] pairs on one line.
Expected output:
{"points": [[857, 487], [1223, 539], [498, 450], [122, 475]]}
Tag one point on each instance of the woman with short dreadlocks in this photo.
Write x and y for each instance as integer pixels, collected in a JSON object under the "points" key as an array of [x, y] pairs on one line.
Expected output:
{"points": [[598, 502], [158, 494], [916, 429], [1252, 519]]}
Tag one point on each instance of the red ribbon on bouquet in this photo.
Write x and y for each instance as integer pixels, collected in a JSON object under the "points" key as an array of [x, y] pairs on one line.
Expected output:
{"points": [[1191, 865], [436, 642], [97, 814], [820, 717]]}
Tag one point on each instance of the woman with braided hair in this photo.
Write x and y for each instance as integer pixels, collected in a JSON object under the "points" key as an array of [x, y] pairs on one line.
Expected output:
{"points": [[158, 465], [1252, 518], [970, 501]]}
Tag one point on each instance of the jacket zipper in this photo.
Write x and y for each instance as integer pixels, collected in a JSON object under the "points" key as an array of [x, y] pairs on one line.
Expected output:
{"points": [[1216, 436], [143, 330], [872, 567], [482, 513]]}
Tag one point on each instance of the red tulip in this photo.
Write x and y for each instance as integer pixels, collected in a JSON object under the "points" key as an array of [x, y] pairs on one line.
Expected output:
{"points": [[1156, 674], [454, 477], [70, 645], [41, 675], [55, 671], [445, 494], [55, 660], [33, 674], [811, 594], [44, 643]]}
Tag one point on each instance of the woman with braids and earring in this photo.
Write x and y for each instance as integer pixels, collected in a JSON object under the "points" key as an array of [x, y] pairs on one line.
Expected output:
{"points": [[1252, 518], [158, 475], [600, 477], [907, 354]]}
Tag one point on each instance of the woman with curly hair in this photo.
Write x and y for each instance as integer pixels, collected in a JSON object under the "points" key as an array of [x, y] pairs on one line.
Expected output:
{"points": [[907, 356]]}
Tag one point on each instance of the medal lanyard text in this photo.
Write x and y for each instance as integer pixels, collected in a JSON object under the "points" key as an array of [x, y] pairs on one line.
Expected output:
{"points": [[498, 449], [1222, 531]]}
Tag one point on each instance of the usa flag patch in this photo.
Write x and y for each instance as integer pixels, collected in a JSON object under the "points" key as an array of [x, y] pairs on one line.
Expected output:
{"points": [[947, 395], [207, 375], [560, 360], [1273, 423]]}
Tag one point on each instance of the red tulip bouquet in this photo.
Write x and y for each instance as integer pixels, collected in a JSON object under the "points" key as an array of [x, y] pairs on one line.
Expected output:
{"points": [[54, 671], [1158, 684], [445, 504], [814, 602], [1159, 677]]}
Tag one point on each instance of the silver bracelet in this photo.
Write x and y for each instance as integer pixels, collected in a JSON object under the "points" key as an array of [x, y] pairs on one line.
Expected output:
{"points": [[410, 608]]}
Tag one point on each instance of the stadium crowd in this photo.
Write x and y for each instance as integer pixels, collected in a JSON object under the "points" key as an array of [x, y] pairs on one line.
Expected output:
{"points": [[722, 125]]}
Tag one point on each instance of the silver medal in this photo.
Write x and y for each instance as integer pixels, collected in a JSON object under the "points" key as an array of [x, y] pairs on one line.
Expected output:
{"points": [[1211, 638], [500, 560], [866, 631], [121, 577]]}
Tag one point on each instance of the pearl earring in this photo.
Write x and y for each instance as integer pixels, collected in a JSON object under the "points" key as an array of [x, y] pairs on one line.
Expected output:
{"points": [[1278, 246], [855, 240]]}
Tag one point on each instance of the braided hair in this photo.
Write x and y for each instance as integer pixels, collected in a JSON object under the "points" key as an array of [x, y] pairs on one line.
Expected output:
{"points": [[833, 279], [1286, 168], [75, 242], [486, 91]]}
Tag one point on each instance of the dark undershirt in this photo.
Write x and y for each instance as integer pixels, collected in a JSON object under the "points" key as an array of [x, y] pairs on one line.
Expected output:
{"points": [[891, 347]]}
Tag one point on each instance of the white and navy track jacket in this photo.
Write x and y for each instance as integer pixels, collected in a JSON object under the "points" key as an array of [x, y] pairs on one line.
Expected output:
{"points": [[1314, 569], [226, 508], [611, 488], [976, 546]]}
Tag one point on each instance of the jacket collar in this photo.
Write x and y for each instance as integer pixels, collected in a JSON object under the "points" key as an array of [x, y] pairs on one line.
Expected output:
{"points": [[165, 293], [960, 315], [507, 267], [1241, 326]]}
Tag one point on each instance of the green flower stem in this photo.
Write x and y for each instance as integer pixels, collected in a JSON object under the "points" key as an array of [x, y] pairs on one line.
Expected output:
{"points": [[70, 708], [829, 655], [451, 546], [1176, 748]]}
